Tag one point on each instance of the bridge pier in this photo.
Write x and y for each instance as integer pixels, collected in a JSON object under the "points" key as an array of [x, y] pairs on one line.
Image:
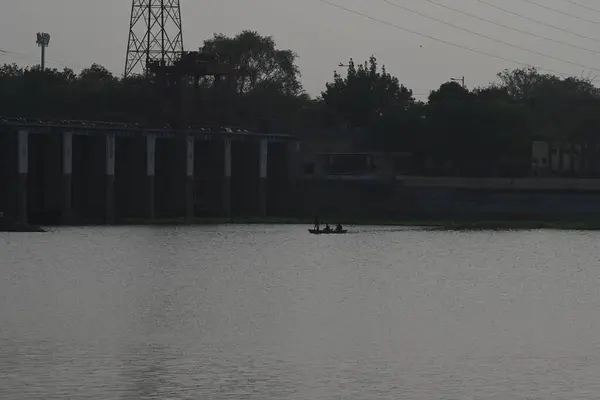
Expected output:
{"points": [[150, 174], [60, 174], [110, 179], [227, 180], [189, 181], [262, 181], [23, 171], [294, 159], [67, 177]]}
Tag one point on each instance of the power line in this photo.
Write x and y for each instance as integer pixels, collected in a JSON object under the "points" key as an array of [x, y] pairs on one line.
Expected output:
{"points": [[582, 6], [489, 37], [60, 63], [512, 28], [10, 52], [561, 12], [538, 21], [358, 13], [21, 56], [25, 56]]}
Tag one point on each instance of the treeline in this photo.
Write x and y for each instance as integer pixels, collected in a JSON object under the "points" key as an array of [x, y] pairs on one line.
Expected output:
{"points": [[487, 131], [269, 92]]}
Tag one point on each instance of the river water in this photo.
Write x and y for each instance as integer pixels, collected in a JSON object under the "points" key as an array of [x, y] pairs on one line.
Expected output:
{"points": [[270, 312]]}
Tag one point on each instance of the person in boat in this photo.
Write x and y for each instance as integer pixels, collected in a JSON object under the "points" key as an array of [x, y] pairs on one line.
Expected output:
{"points": [[317, 225], [327, 228], [339, 228]]}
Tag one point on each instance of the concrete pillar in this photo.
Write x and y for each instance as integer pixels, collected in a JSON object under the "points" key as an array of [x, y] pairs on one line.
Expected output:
{"points": [[227, 179], [23, 170], [189, 181], [293, 159], [67, 177], [150, 173], [262, 181], [292, 201], [110, 179]]}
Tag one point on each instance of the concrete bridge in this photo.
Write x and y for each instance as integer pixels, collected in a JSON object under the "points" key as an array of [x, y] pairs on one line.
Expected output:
{"points": [[65, 172]]}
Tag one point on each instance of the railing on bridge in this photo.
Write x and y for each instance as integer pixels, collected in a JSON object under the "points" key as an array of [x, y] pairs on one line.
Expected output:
{"points": [[81, 127]]}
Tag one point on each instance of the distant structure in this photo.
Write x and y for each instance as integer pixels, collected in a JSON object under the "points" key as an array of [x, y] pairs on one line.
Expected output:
{"points": [[155, 48], [43, 40], [191, 67], [155, 35]]}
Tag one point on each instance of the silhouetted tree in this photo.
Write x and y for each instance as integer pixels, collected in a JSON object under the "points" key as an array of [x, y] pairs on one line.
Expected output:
{"points": [[562, 111], [263, 65], [484, 132], [365, 94]]}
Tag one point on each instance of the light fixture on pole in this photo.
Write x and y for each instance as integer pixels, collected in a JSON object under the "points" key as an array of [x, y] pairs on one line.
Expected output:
{"points": [[43, 40]]}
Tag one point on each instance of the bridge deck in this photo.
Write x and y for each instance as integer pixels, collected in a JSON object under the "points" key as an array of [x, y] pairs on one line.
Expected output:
{"points": [[87, 128]]}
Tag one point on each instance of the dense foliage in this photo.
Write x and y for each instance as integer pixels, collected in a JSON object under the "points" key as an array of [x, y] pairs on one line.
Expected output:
{"points": [[486, 131]]}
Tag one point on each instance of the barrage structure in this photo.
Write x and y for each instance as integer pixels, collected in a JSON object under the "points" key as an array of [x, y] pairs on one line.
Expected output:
{"points": [[77, 172]]}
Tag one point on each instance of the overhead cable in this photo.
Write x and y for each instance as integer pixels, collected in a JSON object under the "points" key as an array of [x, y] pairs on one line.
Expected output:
{"points": [[513, 28], [490, 37], [460, 46], [538, 21], [535, 3]]}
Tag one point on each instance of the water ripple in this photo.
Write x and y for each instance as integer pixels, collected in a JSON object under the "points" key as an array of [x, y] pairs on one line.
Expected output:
{"points": [[270, 312]]}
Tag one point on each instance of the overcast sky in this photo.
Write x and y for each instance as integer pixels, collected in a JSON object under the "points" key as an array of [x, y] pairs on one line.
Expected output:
{"points": [[87, 31]]}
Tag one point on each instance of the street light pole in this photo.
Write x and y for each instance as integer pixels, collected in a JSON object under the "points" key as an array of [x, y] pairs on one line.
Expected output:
{"points": [[43, 40]]}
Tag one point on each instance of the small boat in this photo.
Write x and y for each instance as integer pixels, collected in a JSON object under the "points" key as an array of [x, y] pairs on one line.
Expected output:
{"points": [[330, 232]]}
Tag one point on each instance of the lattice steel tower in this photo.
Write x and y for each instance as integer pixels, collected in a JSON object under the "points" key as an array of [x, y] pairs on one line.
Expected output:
{"points": [[155, 35]]}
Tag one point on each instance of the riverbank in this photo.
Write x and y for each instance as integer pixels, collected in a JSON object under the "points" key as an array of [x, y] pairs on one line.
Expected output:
{"points": [[10, 225], [434, 224]]}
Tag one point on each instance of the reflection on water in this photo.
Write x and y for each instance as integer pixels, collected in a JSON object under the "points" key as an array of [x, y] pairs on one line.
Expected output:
{"points": [[274, 313]]}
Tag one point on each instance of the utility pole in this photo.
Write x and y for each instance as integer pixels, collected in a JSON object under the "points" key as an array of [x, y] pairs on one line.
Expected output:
{"points": [[43, 40], [462, 80]]}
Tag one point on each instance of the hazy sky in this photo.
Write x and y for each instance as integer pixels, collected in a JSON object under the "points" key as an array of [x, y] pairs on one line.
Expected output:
{"points": [[87, 31]]}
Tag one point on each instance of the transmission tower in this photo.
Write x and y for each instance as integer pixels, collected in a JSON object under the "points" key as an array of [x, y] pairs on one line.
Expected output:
{"points": [[155, 35]]}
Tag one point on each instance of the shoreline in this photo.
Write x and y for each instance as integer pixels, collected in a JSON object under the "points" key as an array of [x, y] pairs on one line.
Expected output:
{"points": [[456, 225], [12, 226], [9, 225]]}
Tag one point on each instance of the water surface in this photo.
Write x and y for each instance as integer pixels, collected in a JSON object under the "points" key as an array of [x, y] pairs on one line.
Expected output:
{"points": [[270, 312]]}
